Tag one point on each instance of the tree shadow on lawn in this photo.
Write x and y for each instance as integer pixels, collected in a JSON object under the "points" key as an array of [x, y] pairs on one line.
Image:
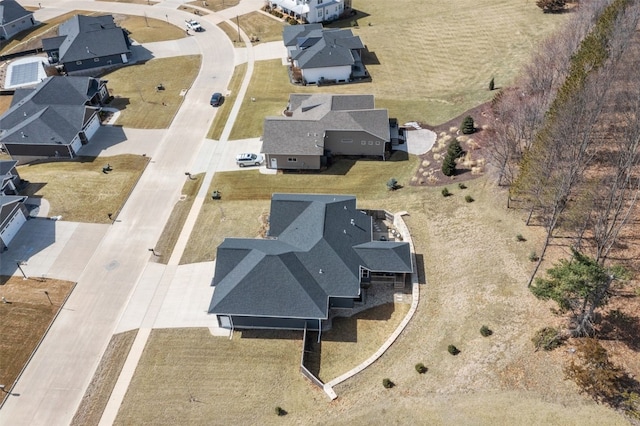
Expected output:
{"points": [[620, 326]]}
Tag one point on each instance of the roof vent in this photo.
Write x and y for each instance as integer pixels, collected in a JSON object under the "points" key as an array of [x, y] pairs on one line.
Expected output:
{"points": [[23, 135], [353, 222], [344, 231], [25, 113], [321, 271]]}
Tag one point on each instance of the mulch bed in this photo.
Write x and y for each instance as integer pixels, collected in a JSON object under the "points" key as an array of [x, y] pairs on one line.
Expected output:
{"points": [[430, 171]]}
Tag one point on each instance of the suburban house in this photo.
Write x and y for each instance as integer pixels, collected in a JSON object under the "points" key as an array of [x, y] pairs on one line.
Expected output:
{"points": [[323, 56], [13, 214], [13, 19], [54, 119], [10, 181], [315, 127], [318, 256], [88, 42], [311, 10]]}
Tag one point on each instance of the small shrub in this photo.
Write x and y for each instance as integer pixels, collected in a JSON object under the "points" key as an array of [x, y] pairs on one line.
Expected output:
{"points": [[280, 411], [469, 199], [420, 368], [445, 192], [454, 150], [462, 186], [492, 84], [392, 184], [520, 238], [547, 338], [453, 350], [468, 126], [387, 383], [485, 331], [533, 256]]}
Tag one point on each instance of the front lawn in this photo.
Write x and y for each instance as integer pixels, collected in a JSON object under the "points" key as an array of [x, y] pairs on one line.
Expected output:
{"points": [[135, 89], [79, 191]]}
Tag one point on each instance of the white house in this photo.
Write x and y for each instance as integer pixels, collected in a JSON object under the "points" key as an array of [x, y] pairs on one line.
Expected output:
{"points": [[311, 10]]}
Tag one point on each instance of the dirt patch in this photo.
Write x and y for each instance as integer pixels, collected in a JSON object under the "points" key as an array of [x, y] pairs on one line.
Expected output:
{"points": [[27, 309]]}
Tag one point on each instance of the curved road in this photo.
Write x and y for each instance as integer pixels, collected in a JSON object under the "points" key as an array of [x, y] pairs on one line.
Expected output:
{"points": [[119, 289]]}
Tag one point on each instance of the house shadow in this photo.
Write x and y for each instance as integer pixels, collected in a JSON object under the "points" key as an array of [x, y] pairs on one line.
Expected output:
{"points": [[420, 268], [105, 137], [340, 166], [36, 235], [348, 20], [270, 334], [369, 57], [345, 329], [140, 54]]}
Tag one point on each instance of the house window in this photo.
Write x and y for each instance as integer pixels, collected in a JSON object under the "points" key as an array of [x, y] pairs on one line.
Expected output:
{"points": [[363, 142], [78, 62], [347, 140], [319, 13], [292, 159], [377, 142], [370, 142], [96, 59]]}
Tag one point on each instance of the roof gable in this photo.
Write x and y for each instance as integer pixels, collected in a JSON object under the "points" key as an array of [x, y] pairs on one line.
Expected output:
{"points": [[11, 10]]}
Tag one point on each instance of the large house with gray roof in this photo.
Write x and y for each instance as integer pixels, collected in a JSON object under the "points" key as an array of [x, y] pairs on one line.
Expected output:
{"points": [[13, 19], [88, 43], [318, 256], [54, 119], [323, 55], [316, 127]]}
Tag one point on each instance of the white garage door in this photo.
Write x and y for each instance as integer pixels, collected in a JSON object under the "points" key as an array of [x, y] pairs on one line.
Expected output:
{"points": [[92, 127], [13, 227]]}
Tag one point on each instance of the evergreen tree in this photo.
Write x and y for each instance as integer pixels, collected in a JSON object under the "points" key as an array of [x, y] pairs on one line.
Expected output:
{"points": [[468, 126]]}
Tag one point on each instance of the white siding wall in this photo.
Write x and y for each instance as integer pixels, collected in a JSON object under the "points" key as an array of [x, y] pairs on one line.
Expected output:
{"points": [[76, 144], [92, 126], [330, 73]]}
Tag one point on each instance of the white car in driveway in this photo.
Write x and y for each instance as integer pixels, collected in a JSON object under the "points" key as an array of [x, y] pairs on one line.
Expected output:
{"points": [[248, 159]]}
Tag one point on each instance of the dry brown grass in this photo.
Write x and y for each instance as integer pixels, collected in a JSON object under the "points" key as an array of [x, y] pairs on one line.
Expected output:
{"points": [[178, 217], [232, 33], [25, 319], [104, 380], [5, 103], [214, 5], [92, 194], [134, 87], [146, 30], [352, 340], [475, 274], [256, 24]]}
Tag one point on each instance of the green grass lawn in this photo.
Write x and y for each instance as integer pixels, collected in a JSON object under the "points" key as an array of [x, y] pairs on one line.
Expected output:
{"points": [[430, 65], [135, 90], [93, 193], [219, 122]]}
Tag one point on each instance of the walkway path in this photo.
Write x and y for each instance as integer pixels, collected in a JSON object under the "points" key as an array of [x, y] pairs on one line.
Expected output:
{"points": [[55, 380]]}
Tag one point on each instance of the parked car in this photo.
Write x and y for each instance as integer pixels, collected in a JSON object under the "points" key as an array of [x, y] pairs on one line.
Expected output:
{"points": [[194, 25], [216, 99], [248, 159]]}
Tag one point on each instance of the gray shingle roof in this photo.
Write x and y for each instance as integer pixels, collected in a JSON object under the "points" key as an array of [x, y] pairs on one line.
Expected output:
{"points": [[7, 203], [326, 48], [87, 37], [312, 255], [6, 166], [11, 10], [53, 112], [291, 33], [313, 115]]}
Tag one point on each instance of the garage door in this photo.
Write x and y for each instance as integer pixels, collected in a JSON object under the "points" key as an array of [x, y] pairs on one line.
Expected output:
{"points": [[92, 127], [10, 231]]}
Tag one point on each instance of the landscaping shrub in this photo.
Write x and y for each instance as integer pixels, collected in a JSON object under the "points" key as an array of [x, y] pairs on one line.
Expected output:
{"points": [[533, 256], [448, 166], [280, 411], [520, 238], [547, 338], [445, 192], [388, 384], [469, 199], [420, 368], [392, 184], [485, 331], [455, 149], [453, 350], [462, 186], [468, 126], [492, 84]]}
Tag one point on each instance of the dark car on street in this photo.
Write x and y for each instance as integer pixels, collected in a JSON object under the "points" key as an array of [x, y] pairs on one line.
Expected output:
{"points": [[216, 99]]}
